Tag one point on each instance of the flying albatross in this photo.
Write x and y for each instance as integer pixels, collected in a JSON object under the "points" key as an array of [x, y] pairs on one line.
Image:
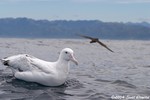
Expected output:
{"points": [[95, 40], [28, 68]]}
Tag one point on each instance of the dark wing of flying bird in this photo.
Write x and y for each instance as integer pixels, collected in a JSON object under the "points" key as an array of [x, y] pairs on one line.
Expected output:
{"points": [[102, 44], [85, 36]]}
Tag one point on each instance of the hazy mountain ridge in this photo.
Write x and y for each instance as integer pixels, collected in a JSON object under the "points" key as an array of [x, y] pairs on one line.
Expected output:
{"points": [[25, 27]]}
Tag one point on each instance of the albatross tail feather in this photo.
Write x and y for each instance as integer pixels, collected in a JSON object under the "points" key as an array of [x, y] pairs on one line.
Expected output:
{"points": [[5, 62]]}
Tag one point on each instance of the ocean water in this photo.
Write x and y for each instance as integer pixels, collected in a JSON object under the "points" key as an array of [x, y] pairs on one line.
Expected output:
{"points": [[100, 75]]}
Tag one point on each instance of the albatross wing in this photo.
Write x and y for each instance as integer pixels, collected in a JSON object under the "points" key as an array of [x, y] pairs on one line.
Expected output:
{"points": [[24, 62]]}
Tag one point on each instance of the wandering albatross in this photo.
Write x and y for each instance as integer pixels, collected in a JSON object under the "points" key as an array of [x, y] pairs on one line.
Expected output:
{"points": [[28, 68]]}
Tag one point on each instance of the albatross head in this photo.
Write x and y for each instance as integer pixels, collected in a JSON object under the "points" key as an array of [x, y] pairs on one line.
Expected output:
{"points": [[68, 55]]}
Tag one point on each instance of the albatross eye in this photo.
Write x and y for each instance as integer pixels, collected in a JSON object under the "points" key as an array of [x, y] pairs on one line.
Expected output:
{"points": [[66, 52]]}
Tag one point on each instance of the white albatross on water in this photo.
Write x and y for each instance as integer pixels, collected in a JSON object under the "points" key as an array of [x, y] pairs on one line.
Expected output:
{"points": [[28, 68]]}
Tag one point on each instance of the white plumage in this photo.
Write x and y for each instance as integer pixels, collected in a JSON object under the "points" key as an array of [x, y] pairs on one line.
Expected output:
{"points": [[32, 69]]}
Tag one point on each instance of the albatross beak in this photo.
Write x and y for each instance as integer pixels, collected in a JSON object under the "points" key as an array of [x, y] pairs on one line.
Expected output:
{"points": [[74, 60]]}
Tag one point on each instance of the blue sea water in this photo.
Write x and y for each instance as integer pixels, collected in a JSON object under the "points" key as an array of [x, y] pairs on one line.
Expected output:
{"points": [[100, 75]]}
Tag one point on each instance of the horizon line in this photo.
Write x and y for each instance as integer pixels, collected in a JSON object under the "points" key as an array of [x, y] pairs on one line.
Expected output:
{"points": [[73, 20]]}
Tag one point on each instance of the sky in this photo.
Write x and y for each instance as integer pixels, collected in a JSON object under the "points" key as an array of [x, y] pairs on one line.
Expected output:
{"points": [[103, 10]]}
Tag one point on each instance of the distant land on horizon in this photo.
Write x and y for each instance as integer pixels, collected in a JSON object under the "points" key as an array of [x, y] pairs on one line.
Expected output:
{"points": [[30, 28]]}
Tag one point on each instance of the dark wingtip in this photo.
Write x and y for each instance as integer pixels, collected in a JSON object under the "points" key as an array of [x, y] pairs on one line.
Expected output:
{"points": [[111, 51]]}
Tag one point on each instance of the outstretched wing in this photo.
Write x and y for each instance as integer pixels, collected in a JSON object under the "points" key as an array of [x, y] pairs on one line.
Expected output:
{"points": [[84, 36], [102, 44]]}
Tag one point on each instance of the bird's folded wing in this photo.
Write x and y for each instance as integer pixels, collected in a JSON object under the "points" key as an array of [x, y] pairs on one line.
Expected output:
{"points": [[18, 62], [24, 62], [41, 65]]}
